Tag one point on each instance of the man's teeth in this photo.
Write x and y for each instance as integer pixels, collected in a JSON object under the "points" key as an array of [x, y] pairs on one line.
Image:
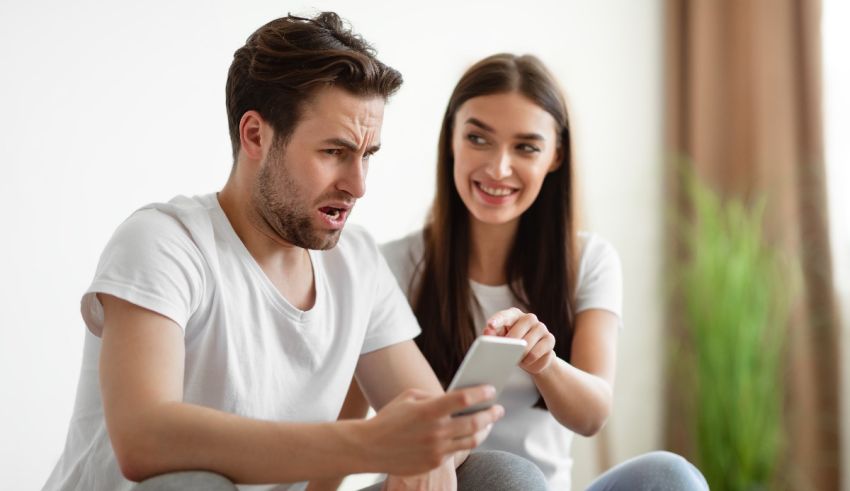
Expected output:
{"points": [[496, 191], [333, 213]]}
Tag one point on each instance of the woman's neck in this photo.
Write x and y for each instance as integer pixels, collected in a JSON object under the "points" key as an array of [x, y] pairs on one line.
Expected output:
{"points": [[489, 249]]}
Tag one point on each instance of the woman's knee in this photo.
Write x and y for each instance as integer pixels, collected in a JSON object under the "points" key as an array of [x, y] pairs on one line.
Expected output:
{"points": [[497, 471], [660, 469]]}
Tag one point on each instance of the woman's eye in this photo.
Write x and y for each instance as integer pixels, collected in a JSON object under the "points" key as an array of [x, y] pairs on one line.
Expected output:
{"points": [[476, 139], [527, 148]]}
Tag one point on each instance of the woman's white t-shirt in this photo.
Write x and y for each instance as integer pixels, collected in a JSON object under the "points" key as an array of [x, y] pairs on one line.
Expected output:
{"points": [[525, 430]]}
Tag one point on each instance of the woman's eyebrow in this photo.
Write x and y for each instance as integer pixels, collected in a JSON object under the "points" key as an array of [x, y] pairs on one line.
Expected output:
{"points": [[529, 136], [480, 124], [518, 136]]}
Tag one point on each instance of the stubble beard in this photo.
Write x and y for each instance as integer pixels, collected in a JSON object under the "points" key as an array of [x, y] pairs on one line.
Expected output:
{"points": [[278, 200]]}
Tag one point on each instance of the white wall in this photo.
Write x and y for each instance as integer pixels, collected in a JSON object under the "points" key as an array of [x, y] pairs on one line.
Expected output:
{"points": [[836, 38], [105, 106]]}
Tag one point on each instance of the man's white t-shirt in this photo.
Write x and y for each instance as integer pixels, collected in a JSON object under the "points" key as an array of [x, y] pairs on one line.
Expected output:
{"points": [[248, 350], [525, 430]]}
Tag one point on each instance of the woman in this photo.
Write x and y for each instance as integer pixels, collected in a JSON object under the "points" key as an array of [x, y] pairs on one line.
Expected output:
{"points": [[500, 255]]}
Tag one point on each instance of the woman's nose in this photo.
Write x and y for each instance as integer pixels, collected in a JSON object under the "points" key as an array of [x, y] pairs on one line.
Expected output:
{"points": [[500, 165]]}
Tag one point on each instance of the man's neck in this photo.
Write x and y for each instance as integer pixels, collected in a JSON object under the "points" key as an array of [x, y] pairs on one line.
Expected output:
{"points": [[286, 265]]}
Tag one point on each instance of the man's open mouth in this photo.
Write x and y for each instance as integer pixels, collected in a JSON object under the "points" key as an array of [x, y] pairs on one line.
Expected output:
{"points": [[333, 213]]}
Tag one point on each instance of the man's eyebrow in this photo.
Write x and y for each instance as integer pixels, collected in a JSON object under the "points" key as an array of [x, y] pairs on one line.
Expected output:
{"points": [[519, 136], [339, 142], [349, 145]]}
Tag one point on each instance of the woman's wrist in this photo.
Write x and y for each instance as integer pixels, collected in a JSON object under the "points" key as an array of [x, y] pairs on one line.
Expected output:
{"points": [[552, 370]]}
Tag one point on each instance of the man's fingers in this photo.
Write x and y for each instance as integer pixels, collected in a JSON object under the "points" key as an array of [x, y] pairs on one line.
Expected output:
{"points": [[471, 441], [458, 400], [470, 424], [414, 394]]}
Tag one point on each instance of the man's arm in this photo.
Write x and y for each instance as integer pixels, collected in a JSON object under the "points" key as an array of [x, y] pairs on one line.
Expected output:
{"points": [[385, 373], [355, 407], [153, 431], [409, 369]]}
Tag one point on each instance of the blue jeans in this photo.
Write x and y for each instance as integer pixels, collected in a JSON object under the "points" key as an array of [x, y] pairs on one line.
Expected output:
{"points": [[491, 471], [501, 471], [654, 471]]}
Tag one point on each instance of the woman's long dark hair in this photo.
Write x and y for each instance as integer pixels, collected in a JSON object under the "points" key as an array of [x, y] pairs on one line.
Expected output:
{"points": [[542, 262]]}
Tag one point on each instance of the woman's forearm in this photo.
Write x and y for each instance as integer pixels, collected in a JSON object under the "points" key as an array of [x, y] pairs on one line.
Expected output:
{"points": [[578, 400]]}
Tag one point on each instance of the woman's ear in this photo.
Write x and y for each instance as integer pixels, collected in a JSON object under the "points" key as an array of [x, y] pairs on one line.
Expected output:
{"points": [[557, 160]]}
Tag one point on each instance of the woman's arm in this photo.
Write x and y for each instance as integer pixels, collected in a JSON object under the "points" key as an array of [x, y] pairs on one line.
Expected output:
{"points": [[578, 394]]}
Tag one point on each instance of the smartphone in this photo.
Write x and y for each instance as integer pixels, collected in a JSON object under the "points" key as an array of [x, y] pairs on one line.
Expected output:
{"points": [[489, 360]]}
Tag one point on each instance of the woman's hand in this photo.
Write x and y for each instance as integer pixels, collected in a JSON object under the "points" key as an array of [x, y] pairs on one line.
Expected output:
{"points": [[540, 343]]}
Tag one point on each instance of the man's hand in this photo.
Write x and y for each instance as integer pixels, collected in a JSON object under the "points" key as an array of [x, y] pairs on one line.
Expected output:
{"points": [[540, 343], [415, 432], [443, 478]]}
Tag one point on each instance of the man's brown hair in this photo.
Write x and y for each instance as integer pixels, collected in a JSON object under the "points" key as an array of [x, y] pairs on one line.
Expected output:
{"points": [[286, 60]]}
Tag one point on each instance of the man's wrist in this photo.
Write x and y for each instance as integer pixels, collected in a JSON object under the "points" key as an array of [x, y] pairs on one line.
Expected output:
{"points": [[357, 451], [459, 457]]}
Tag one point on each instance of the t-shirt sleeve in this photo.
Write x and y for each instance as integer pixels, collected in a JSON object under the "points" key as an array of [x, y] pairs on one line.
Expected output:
{"points": [[391, 320], [600, 281], [150, 261], [403, 256]]}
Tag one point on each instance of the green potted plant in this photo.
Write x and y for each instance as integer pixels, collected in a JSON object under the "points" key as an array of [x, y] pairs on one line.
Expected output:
{"points": [[734, 288]]}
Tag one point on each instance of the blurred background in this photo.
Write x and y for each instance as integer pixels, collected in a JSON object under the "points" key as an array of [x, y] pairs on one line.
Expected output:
{"points": [[711, 150]]}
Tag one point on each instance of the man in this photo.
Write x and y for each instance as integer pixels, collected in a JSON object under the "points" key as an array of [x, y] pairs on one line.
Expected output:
{"points": [[224, 329]]}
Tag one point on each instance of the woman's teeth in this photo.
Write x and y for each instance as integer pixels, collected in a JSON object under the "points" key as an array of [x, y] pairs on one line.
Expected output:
{"points": [[495, 191]]}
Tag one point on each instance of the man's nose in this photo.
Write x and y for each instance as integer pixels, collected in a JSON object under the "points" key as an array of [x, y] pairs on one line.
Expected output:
{"points": [[353, 180]]}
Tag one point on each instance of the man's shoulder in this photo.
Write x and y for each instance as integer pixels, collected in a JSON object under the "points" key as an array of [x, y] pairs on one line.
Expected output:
{"points": [[355, 241], [180, 220], [183, 209], [356, 249]]}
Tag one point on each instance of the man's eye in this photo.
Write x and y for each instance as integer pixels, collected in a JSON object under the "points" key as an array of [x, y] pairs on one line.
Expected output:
{"points": [[333, 151], [476, 139]]}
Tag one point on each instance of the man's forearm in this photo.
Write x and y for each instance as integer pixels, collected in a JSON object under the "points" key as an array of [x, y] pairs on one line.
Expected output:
{"points": [[180, 436]]}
